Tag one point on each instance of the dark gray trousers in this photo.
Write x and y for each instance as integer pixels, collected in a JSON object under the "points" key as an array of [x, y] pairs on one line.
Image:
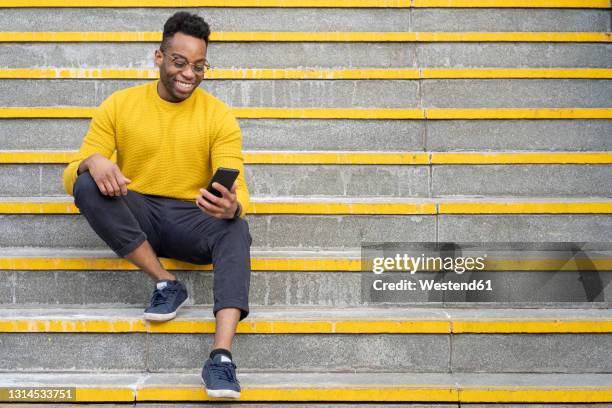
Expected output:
{"points": [[175, 229]]}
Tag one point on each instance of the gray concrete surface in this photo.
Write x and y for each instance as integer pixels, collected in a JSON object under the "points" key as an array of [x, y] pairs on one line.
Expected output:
{"points": [[357, 135], [525, 228], [268, 231], [299, 19], [522, 180], [370, 180], [317, 55], [561, 353], [438, 93], [527, 135]]}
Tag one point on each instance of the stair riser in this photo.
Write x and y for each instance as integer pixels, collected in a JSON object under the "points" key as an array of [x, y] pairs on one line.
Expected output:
{"points": [[379, 135], [299, 288], [537, 353], [278, 19], [369, 180], [319, 231], [317, 55], [434, 93]]}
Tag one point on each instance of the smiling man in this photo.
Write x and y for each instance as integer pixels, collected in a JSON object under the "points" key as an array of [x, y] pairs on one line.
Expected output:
{"points": [[170, 137]]}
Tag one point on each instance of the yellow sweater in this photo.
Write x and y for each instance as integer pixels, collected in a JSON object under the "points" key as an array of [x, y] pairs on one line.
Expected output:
{"points": [[166, 149]]}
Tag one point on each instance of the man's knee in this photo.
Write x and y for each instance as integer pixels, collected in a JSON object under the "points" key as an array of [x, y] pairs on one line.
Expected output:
{"points": [[84, 187], [239, 229]]}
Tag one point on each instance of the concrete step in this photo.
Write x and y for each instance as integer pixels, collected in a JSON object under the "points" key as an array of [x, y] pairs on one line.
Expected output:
{"points": [[355, 135], [363, 180], [40, 275], [427, 93], [313, 19], [318, 222], [414, 340], [349, 387], [51, 276], [318, 55]]}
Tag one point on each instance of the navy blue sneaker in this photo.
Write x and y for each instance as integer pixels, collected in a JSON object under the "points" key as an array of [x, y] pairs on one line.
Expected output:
{"points": [[219, 376], [168, 297]]}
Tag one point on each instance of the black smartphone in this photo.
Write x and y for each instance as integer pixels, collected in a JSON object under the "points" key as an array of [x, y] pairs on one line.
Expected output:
{"points": [[225, 177]]}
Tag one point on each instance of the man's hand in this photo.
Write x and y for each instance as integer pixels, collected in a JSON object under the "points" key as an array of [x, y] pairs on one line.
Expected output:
{"points": [[106, 174], [219, 207]]}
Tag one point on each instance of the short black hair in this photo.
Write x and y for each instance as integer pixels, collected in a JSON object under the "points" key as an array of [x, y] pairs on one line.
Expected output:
{"points": [[186, 23]]}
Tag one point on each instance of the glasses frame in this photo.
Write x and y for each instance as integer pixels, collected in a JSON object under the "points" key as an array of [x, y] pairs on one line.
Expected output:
{"points": [[193, 66]]}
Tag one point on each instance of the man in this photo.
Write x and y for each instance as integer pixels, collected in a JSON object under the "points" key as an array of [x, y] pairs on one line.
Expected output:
{"points": [[169, 137]]}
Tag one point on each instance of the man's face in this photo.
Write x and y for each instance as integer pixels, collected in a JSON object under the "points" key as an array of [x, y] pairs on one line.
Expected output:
{"points": [[178, 84]]}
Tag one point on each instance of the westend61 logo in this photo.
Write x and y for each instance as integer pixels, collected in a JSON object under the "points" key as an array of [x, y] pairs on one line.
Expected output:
{"points": [[485, 272]]}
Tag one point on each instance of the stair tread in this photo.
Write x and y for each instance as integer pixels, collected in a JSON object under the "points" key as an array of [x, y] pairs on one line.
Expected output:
{"points": [[320, 313]]}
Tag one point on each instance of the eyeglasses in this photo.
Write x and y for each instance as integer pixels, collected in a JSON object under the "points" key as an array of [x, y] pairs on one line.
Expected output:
{"points": [[181, 64]]}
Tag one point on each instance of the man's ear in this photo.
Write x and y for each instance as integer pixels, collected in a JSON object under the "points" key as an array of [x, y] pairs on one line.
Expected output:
{"points": [[158, 58]]}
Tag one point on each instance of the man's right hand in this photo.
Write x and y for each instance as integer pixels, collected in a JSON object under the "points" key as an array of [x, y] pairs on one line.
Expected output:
{"points": [[106, 174]]}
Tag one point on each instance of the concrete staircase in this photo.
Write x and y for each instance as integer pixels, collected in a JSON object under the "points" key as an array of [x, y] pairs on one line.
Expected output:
{"points": [[363, 121]]}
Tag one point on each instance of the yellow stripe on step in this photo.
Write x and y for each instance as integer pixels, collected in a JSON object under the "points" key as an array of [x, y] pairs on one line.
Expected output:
{"points": [[306, 74], [288, 36]]}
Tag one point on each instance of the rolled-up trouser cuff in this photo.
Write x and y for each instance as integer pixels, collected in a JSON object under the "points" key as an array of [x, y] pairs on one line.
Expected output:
{"points": [[122, 252], [244, 308]]}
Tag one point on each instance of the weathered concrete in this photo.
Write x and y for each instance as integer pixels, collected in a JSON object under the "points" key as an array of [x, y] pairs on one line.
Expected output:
{"points": [[522, 180], [298, 19], [561, 353], [257, 134], [317, 55], [525, 228], [526, 135], [316, 231], [439, 93]]}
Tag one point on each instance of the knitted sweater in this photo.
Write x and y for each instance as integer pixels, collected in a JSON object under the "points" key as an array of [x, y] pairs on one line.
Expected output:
{"points": [[166, 149]]}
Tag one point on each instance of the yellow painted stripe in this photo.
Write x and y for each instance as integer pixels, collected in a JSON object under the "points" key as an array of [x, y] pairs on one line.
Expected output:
{"points": [[41, 112], [342, 113], [474, 207], [220, 73], [336, 158], [61, 157], [116, 394], [381, 158], [514, 3], [523, 394], [291, 264], [257, 264], [260, 36], [521, 158], [72, 326], [520, 113], [255, 208], [532, 326], [312, 3], [525, 208], [509, 325], [438, 393], [601, 264], [329, 113], [359, 392], [342, 208], [548, 73], [216, 3]]}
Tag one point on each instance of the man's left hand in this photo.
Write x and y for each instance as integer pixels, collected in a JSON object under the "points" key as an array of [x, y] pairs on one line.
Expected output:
{"points": [[223, 207]]}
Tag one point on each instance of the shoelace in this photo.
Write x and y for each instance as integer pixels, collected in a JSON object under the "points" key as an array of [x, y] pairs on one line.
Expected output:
{"points": [[160, 296], [224, 371]]}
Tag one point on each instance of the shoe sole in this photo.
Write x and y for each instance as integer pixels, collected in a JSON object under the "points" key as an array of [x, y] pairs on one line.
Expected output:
{"points": [[157, 317], [221, 393]]}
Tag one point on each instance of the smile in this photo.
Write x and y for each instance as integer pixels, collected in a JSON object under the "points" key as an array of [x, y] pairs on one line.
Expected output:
{"points": [[184, 86]]}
